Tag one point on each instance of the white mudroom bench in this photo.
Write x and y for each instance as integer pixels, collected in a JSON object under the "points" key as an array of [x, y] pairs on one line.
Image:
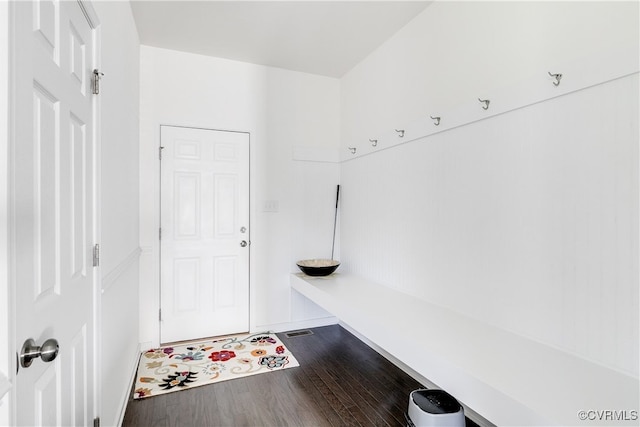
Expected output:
{"points": [[506, 378]]}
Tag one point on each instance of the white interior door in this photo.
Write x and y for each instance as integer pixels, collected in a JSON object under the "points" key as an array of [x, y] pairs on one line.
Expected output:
{"points": [[204, 233], [51, 201]]}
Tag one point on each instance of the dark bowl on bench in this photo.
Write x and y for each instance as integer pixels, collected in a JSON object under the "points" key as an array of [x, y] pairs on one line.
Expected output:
{"points": [[318, 267]]}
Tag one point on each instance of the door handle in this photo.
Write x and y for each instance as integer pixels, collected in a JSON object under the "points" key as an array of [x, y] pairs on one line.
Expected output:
{"points": [[243, 243], [47, 352]]}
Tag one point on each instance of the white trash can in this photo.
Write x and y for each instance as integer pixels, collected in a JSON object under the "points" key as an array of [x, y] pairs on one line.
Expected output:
{"points": [[434, 408]]}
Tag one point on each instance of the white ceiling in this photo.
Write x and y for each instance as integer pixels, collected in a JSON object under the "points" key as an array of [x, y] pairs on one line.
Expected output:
{"points": [[319, 37]]}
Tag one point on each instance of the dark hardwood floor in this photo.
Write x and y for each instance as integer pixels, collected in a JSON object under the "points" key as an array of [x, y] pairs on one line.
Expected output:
{"points": [[340, 382]]}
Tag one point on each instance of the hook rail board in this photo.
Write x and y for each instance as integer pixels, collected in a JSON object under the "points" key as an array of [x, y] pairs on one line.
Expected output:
{"points": [[545, 84]]}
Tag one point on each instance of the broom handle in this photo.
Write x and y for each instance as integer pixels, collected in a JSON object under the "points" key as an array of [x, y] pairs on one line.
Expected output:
{"points": [[335, 220]]}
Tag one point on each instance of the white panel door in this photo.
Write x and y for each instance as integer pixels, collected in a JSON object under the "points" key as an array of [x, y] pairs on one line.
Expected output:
{"points": [[204, 233], [52, 209]]}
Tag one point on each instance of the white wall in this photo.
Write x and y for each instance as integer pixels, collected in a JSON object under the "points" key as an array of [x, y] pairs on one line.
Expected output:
{"points": [[281, 110], [455, 52], [118, 210], [527, 220]]}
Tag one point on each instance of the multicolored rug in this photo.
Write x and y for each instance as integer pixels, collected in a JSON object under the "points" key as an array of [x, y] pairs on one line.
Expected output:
{"points": [[166, 369]]}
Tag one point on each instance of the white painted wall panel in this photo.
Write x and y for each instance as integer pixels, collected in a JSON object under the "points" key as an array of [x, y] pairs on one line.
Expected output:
{"points": [[531, 228], [119, 218], [118, 370], [527, 220]]}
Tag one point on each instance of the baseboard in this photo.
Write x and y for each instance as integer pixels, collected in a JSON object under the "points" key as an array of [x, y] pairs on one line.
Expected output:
{"points": [[132, 378], [468, 412], [302, 324]]}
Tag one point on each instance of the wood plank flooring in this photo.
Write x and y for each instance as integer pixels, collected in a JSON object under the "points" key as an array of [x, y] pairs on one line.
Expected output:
{"points": [[340, 382]]}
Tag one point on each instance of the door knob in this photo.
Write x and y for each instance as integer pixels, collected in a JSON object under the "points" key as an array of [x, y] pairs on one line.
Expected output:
{"points": [[47, 352], [243, 243]]}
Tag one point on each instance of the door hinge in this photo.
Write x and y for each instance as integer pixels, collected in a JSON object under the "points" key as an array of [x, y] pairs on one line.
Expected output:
{"points": [[160, 314], [96, 255], [160, 233], [160, 152], [95, 81], [96, 422]]}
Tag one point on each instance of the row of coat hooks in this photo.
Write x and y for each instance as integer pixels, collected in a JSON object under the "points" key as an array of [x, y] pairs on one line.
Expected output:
{"points": [[436, 120]]}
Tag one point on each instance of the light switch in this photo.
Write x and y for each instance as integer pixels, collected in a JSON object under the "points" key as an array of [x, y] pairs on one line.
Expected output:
{"points": [[270, 206]]}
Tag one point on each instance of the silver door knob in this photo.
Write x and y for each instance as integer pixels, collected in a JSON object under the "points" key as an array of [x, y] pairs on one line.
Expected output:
{"points": [[47, 352], [243, 243]]}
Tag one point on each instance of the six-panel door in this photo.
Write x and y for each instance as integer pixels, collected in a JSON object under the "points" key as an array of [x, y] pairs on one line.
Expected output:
{"points": [[52, 209], [205, 233]]}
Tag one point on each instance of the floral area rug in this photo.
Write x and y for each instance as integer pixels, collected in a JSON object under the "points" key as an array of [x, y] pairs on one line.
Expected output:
{"points": [[167, 369]]}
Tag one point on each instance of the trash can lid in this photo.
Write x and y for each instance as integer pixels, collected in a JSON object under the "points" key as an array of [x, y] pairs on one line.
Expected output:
{"points": [[435, 401]]}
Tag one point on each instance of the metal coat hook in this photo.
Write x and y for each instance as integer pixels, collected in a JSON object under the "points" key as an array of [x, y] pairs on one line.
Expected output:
{"points": [[400, 132], [352, 149], [557, 76], [437, 120], [485, 102], [374, 142]]}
